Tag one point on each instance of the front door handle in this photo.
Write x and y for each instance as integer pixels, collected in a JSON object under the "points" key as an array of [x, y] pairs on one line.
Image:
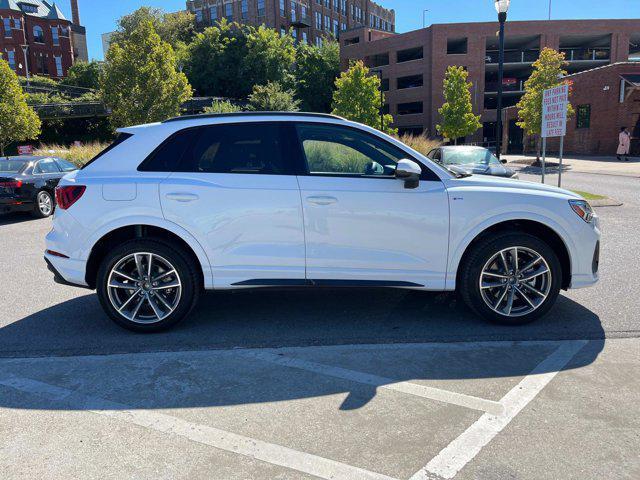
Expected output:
{"points": [[182, 197], [322, 200]]}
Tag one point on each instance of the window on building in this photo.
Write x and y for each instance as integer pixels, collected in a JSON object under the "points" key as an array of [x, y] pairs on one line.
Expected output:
{"points": [[293, 11], [228, 11], [261, 11], [410, 108], [28, 8], [336, 6], [11, 58], [318, 21], [282, 8], [378, 60], [343, 26], [7, 28], [318, 41], [294, 34], [283, 31], [336, 29], [411, 81], [327, 3], [352, 41], [59, 72], [244, 9], [42, 65], [343, 7], [17, 24], [213, 12], [410, 54], [198, 12], [305, 37], [456, 46], [583, 116], [327, 23], [38, 34], [56, 36], [385, 85]]}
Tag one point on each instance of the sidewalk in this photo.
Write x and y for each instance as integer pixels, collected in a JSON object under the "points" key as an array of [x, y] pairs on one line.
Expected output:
{"points": [[582, 164]]}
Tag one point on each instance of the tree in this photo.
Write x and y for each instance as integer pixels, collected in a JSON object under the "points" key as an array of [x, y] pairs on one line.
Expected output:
{"points": [[222, 106], [272, 98], [83, 74], [357, 97], [548, 71], [269, 57], [458, 119], [140, 82], [316, 71], [18, 121], [214, 62], [173, 28]]}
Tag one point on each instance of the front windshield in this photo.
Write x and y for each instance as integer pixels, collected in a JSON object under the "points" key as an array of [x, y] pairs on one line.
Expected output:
{"points": [[469, 156], [11, 166]]}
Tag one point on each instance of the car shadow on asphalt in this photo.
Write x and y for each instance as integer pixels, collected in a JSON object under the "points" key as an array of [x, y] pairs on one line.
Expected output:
{"points": [[17, 217], [197, 374]]}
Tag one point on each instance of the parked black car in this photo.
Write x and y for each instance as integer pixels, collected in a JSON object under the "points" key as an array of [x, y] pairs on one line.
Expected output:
{"points": [[466, 159], [27, 183]]}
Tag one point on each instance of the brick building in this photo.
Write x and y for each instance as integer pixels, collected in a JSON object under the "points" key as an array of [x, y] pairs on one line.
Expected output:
{"points": [[605, 99], [53, 42], [310, 20], [413, 64]]}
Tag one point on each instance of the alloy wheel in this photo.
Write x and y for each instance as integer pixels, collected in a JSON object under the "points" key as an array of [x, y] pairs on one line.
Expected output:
{"points": [[45, 204], [515, 281], [144, 287]]}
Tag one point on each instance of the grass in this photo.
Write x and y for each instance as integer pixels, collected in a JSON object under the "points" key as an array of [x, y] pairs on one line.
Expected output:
{"points": [[420, 143], [75, 154], [590, 196]]}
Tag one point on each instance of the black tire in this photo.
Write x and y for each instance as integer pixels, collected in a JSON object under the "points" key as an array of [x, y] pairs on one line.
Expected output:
{"points": [[40, 212], [482, 252], [186, 274]]}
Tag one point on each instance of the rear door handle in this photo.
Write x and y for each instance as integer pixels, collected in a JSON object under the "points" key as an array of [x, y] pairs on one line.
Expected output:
{"points": [[322, 200], [182, 197]]}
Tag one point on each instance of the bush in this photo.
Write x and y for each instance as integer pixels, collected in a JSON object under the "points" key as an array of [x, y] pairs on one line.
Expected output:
{"points": [[222, 106], [420, 143], [78, 155]]}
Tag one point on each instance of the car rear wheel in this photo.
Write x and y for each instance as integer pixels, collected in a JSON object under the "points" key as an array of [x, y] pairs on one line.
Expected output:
{"points": [[44, 204], [510, 278], [147, 285]]}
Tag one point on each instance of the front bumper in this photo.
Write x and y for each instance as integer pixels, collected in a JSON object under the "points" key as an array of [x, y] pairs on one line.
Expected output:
{"points": [[586, 258]]}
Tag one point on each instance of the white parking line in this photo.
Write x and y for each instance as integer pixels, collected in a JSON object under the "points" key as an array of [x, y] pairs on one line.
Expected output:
{"points": [[221, 439], [464, 448], [440, 395]]}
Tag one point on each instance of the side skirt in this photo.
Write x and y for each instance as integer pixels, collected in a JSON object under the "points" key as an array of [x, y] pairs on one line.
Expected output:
{"points": [[278, 282]]}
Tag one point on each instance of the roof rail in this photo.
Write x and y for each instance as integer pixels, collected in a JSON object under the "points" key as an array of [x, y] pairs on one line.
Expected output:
{"points": [[252, 114]]}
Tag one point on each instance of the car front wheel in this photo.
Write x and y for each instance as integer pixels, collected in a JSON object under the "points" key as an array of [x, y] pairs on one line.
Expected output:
{"points": [[510, 278], [147, 285]]}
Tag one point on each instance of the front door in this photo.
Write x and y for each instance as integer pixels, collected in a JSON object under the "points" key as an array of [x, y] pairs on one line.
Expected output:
{"points": [[362, 225], [236, 191]]}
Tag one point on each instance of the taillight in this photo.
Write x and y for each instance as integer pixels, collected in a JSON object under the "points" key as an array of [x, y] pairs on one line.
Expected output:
{"points": [[68, 195], [11, 184]]}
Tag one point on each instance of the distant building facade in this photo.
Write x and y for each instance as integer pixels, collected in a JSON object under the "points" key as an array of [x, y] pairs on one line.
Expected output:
{"points": [[52, 42], [106, 42], [413, 64], [309, 20]]}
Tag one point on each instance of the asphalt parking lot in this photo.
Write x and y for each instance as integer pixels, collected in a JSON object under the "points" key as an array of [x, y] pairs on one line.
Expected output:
{"points": [[342, 384]]}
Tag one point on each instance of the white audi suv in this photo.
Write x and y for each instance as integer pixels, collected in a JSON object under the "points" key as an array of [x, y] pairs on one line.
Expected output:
{"points": [[251, 200]]}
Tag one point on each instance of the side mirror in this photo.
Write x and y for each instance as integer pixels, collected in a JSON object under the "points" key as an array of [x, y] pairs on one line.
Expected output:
{"points": [[409, 172]]}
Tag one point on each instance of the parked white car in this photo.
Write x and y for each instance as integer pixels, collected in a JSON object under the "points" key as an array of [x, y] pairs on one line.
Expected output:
{"points": [[273, 199]]}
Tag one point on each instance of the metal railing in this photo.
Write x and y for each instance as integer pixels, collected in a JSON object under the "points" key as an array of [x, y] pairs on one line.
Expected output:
{"points": [[513, 56], [588, 54], [72, 110]]}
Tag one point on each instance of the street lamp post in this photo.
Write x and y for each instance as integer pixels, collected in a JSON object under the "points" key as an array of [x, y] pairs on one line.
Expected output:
{"points": [[502, 7], [25, 50]]}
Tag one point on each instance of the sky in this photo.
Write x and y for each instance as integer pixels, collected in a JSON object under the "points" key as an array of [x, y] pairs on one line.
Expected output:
{"points": [[100, 16]]}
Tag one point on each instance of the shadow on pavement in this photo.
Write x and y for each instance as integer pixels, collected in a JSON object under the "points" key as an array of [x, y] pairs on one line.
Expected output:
{"points": [[267, 318], [18, 217]]}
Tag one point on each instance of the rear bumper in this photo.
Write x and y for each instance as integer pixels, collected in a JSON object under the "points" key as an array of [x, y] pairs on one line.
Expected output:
{"points": [[66, 271], [10, 205], [58, 278]]}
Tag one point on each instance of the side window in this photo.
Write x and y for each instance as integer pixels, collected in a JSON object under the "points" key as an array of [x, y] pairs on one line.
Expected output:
{"points": [[256, 148], [66, 166], [167, 157], [47, 165], [333, 150], [437, 155]]}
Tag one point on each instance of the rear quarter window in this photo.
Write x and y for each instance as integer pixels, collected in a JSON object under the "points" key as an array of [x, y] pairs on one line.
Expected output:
{"points": [[167, 157]]}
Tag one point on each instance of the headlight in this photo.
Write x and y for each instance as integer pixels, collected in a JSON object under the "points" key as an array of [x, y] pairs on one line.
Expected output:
{"points": [[582, 209]]}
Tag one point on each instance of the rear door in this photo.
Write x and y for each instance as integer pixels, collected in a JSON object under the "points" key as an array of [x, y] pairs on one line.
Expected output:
{"points": [[236, 191]]}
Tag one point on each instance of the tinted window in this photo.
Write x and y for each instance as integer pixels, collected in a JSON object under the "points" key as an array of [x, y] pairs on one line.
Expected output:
{"points": [[469, 156], [46, 166], [240, 148], [66, 166], [11, 166], [119, 139], [337, 150], [167, 157]]}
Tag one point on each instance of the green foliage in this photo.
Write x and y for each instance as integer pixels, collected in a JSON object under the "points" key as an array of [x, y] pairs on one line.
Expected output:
{"points": [[228, 59], [420, 143], [140, 81], [222, 106], [83, 74], [357, 98], [315, 74], [173, 28], [458, 119], [272, 98], [547, 71], [18, 121]]}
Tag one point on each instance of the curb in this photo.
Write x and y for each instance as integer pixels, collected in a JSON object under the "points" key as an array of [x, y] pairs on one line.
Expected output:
{"points": [[605, 202]]}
